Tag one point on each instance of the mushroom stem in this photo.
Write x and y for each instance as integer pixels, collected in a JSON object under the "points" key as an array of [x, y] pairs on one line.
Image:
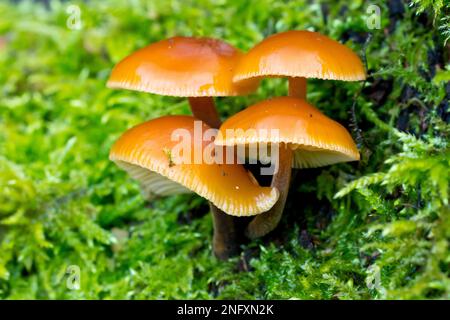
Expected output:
{"points": [[297, 87], [225, 244], [203, 109], [267, 221]]}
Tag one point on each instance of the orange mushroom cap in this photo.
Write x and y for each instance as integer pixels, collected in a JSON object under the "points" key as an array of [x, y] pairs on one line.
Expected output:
{"points": [[145, 153], [300, 54], [184, 67], [316, 139]]}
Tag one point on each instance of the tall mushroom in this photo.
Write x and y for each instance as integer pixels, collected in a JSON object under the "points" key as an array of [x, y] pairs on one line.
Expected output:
{"points": [[306, 138], [297, 55], [151, 153], [197, 68]]}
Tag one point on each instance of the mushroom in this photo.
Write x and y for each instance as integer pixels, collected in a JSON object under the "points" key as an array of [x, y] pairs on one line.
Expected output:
{"points": [[296, 55], [198, 68], [306, 138], [150, 153]]}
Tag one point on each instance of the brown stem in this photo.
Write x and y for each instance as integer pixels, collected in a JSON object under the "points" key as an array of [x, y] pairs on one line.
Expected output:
{"points": [[225, 244], [225, 238], [203, 109], [297, 87], [265, 222]]}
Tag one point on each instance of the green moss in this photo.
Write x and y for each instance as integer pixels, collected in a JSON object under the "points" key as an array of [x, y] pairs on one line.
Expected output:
{"points": [[377, 229]]}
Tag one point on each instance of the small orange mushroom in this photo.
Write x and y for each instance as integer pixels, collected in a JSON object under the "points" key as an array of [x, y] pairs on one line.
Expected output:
{"points": [[150, 153], [198, 68], [297, 55], [306, 138], [300, 54]]}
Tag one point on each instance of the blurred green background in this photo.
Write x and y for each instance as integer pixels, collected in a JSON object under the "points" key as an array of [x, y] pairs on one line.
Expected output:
{"points": [[378, 229]]}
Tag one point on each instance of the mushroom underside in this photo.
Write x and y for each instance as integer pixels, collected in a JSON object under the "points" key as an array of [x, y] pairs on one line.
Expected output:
{"points": [[304, 156], [164, 183], [153, 184]]}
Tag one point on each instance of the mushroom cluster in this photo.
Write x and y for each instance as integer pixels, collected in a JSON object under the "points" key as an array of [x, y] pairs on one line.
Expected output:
{"points": [[203, 68]]}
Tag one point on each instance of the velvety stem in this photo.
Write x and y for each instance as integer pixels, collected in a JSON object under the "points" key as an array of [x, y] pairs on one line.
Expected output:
{"points": [[265, 222], [297, 87], [203, 108], [225, 238]]}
